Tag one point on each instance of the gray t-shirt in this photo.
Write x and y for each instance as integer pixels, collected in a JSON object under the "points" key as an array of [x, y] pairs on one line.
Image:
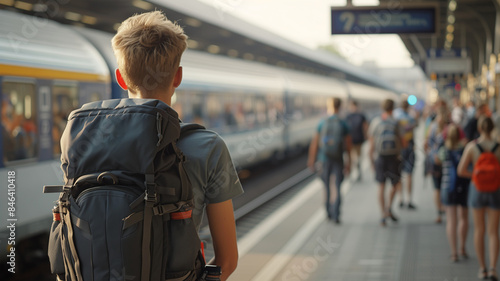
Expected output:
{"points": [[210, 170]]}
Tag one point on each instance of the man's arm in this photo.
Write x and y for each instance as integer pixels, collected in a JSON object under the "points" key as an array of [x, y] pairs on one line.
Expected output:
{"points": [[371, 151], [313, 152], [223, 230], [365, 129]]}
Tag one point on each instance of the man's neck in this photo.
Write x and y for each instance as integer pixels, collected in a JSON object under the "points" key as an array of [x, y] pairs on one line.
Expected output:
{"points": [[164, 98]]}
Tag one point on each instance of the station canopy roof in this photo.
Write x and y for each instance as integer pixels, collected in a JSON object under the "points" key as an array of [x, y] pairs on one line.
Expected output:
{"points": [[474, 26], [209, 29]]}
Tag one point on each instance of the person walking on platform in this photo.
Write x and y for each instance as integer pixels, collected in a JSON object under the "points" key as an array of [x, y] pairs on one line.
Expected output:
{"points": [[329, 142], [457, 112], [434, 141], [386, 143], [358, 127], [148, 48], [454, 191], [407, 124], [484, 193], [470, 128]]}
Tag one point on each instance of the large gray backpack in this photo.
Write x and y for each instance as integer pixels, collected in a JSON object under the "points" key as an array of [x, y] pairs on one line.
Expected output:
{"points": [[386, 137], [124, 212], [332, 138]]}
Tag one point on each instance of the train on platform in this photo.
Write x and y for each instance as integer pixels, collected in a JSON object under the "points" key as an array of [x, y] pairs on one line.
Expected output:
{"points": [[48, 69]]}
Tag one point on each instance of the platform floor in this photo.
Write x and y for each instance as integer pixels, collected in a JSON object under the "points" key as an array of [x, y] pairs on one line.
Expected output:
{"points": [[297, 242]]}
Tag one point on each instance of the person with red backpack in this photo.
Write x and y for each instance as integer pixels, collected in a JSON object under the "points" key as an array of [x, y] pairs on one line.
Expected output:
{"points": [[484, 193]]}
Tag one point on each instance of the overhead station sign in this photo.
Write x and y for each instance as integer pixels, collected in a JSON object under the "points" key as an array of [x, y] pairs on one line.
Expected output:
{"points": [[384, 19]]}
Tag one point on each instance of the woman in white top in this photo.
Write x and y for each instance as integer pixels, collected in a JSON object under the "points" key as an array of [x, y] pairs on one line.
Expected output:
{"points": [[485, 205]]}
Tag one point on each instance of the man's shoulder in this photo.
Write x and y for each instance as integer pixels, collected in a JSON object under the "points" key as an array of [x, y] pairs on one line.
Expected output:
{"points": [[200, 142]]}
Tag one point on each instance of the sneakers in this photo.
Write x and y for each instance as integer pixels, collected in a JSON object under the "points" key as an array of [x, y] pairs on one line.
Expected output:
{"points": [[392, 217], [410, 206]]}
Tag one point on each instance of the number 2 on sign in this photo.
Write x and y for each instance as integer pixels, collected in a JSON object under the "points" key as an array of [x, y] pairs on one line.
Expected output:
{"points": [[347, 18]]}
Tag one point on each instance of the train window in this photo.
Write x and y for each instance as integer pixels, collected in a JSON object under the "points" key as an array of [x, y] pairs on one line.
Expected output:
{"points": [[274, 108], [189, 106], [19, 130], [318, 105], [215, 111], [64, 100], [260, 111], [248, 112]]}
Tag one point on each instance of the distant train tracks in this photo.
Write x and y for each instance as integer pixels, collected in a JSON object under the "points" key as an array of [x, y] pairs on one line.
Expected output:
{"points": [[272, 193]]}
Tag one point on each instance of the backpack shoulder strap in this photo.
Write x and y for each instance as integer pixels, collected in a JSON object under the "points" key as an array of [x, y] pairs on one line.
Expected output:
{"points": [[481, 150], [495, 147]]}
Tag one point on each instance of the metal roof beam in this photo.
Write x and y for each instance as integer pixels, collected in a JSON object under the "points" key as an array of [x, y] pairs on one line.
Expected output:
{"points": [[489, 42], [496, 44]]}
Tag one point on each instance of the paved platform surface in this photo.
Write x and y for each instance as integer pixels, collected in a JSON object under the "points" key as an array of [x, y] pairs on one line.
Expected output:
{"points": [[299, 243]]}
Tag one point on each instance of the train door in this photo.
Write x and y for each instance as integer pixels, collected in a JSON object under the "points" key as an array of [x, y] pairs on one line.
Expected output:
{"points": [[65, 98]]}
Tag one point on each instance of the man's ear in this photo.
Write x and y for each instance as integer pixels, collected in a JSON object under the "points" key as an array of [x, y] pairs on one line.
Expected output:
{"points": [[120, 80], [178, 77]]}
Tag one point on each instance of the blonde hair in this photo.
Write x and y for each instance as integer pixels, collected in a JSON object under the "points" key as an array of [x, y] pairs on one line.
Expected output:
{"points": [[452, 137], [148, 48]]}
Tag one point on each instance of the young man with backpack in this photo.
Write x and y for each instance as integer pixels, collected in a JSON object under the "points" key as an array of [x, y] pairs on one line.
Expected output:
{"points": [[137, 180], [386, 143], [332, 138]]}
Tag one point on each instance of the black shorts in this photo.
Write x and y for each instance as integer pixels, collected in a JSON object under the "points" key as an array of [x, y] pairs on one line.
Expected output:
{"points": [[388, 167]]}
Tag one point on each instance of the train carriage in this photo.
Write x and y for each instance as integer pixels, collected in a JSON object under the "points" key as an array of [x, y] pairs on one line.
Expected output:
{"points": [[46, 70]]}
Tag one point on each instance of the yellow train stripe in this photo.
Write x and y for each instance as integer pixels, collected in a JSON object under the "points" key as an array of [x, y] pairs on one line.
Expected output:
{"points": [[41, 73]]}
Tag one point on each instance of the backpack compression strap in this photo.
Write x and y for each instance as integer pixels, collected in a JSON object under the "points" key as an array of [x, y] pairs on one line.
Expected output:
{"points": [[151, 206], [150, 199], [71, 264]]}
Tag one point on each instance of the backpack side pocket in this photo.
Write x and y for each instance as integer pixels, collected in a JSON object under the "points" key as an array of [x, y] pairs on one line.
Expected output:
{"points": [[55, 249]]}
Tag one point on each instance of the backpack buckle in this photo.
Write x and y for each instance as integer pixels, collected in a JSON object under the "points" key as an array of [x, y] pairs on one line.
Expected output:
{"points": [[150, 198], [150, 193]]}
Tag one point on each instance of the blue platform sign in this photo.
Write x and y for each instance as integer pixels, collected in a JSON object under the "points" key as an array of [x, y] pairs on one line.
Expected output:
{"points": [[380, 20]]}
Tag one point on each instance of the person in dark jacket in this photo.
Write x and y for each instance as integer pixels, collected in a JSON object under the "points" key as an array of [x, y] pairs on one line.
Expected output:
{"points": [[358, 127], [470, 129]]}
